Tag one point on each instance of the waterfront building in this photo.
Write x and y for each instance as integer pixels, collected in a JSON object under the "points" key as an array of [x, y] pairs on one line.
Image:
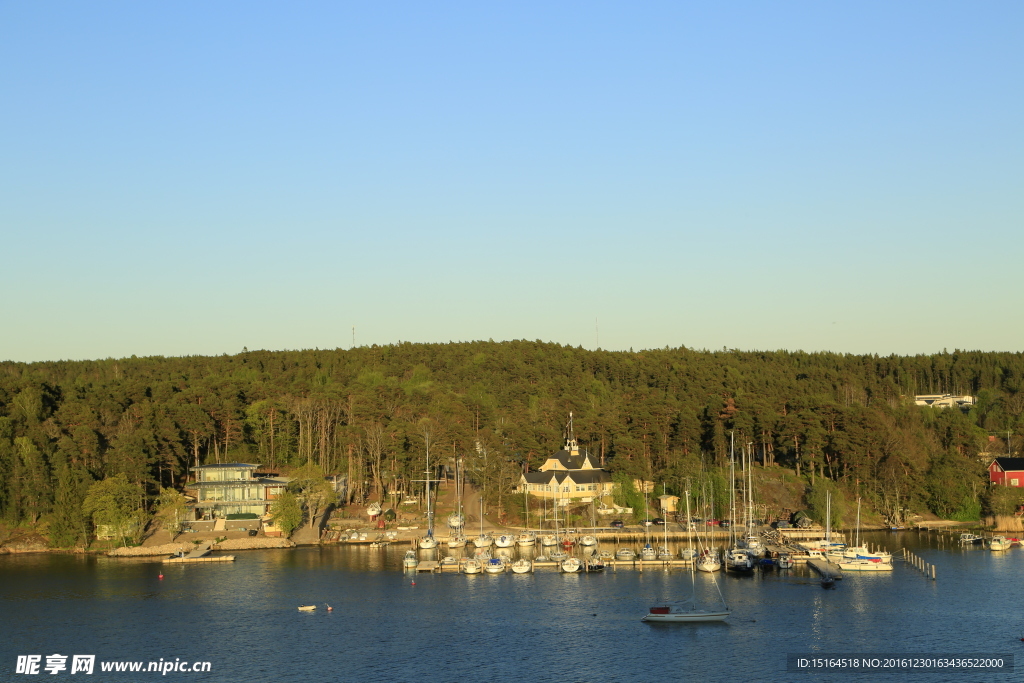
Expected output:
{"points": [[1007, 472], [230, 491], [569, 476]]}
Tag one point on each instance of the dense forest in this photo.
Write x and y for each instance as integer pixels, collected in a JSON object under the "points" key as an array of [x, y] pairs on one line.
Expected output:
{"points": [[367, 414]]}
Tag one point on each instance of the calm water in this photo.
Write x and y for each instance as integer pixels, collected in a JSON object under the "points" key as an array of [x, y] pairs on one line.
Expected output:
{"points": [[545, 626]]}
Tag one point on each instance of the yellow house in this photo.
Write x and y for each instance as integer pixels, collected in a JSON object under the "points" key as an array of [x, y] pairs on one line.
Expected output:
{"points": [[568, 476]]}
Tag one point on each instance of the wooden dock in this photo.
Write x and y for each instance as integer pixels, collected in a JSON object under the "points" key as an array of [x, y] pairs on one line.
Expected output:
{"points": [[826, 568], [208, 558]]}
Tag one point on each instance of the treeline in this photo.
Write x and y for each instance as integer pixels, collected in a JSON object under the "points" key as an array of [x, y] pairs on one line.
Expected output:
{"points": [[369, 413]]}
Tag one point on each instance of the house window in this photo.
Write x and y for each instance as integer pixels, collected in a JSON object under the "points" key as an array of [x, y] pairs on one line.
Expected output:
{"points": [[1013, 482]]}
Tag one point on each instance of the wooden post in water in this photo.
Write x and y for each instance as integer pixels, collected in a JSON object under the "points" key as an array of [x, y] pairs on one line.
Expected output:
{"points": [[933, 572]]}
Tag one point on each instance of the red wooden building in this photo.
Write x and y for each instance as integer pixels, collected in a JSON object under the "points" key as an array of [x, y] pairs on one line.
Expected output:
{"points": [[1007, 472]]}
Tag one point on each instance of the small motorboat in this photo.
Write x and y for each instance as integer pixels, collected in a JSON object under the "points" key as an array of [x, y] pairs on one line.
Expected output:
{"points": [[307, 608], [558, 555], [410, 561], [471, 567], [595, 566], [587, 541], [999, 543], [785, 561], [625, 554], [495, 565]]}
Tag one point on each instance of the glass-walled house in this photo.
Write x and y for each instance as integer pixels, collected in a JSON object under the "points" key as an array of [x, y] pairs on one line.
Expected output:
{"points": [[230, 491]]}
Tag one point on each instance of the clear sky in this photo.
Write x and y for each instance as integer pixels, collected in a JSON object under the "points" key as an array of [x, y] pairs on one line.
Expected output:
{"points": [[194, 177]]}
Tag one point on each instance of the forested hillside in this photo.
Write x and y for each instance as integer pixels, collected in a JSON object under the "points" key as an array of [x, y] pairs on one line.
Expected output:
{"points": [[662, 415]]}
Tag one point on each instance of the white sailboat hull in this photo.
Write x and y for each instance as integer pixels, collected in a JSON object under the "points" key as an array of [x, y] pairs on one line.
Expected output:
{"points": [[682, 616]]}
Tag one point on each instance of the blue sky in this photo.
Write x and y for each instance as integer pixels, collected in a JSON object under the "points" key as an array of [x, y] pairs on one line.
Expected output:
{"points": [[194, 178]]}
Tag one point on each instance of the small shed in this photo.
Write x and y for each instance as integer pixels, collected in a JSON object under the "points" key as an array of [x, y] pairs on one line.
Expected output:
{"points": [[668, 503]]}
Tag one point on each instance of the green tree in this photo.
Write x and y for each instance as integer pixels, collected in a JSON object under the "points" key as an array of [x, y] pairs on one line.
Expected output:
{"points": [[314, 492], [114, 503], [286, 513], [171, 508], [67, 524]]}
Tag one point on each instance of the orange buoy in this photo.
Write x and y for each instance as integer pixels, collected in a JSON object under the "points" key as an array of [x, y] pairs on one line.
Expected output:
{"points": [[161, 577], [414, 583]]}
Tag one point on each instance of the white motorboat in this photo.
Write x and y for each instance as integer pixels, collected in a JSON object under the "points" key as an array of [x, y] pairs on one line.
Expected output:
{"points": [[865, 565], [307, 608], [606, 555], [971, 539], [410, 561], [785, 561], [548, 540], [495, 565], [449, 560], [588, 541], [625, 554], [571, 565], [688, 554], [505, 541], [521, 566], [739, 560], [999, 543], [471, 566]]}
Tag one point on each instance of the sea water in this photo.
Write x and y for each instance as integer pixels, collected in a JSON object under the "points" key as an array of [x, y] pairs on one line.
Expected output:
{"points": [[391, 625]]}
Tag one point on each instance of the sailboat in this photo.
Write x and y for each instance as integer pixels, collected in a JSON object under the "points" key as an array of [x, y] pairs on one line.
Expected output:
{"points": [[685, 611], [457, 520], [483, 540], [647, 552], [428, 542], [527, 538], [737, 559]]}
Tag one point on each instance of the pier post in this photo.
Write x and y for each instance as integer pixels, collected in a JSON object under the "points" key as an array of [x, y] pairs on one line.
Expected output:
{"points": [[933, 572]]}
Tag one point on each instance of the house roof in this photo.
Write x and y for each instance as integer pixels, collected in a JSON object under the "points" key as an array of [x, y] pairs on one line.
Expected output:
{"points": [[1010, 464], [568, 461], [559, 476], [227, 465]]}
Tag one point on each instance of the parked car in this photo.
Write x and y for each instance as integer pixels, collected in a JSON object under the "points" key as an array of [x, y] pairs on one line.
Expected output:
{"points": [[617, 524], [781, 524], [658, 520], [725, 524], [711, 522]]}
